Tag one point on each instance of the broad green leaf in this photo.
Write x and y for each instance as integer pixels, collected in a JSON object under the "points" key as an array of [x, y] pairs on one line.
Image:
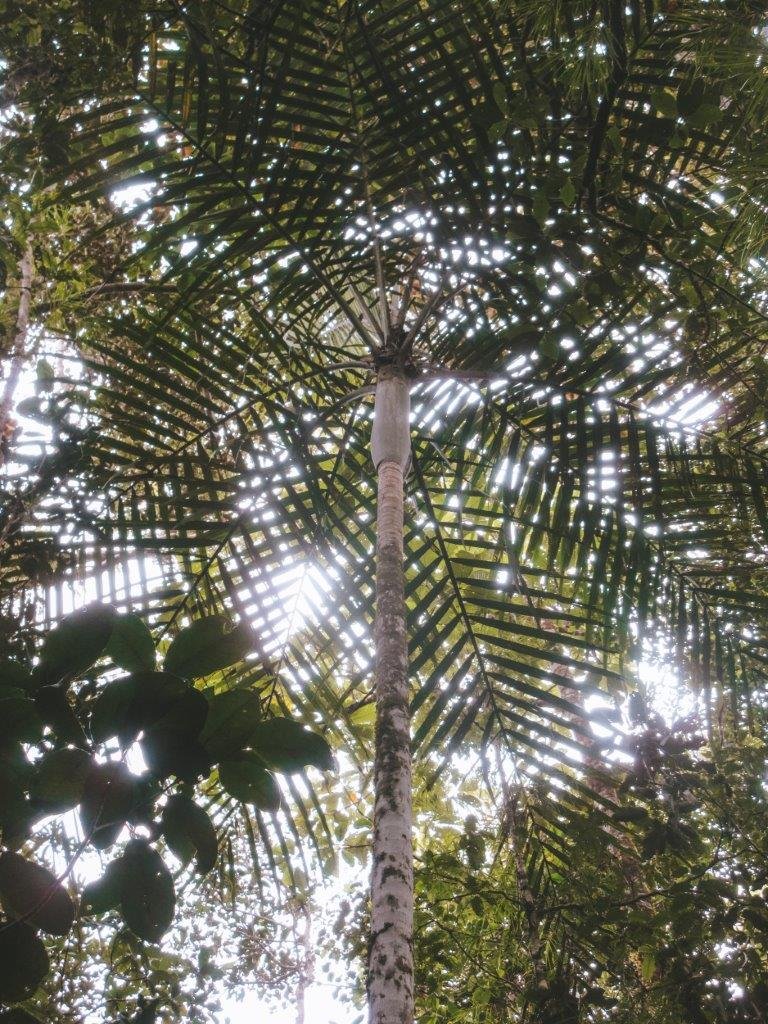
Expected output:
{"points": [[548, 346], [707, 114], [105, 892], [568, 192], [665, 102], [32, 408], [111, 712], [232, 719], [189, 832], [207, 646], [13, 805], [107, 801], [54, 708], [187, 713], [131, 645], [246, 779], [23, 961], [19, 720], [648, 965], [287, 746], [59, 778], [147, 897], [171, 745], [31, 892], [13, 674], [365, 715], [126, 706], [76, 643], [170, 752]]}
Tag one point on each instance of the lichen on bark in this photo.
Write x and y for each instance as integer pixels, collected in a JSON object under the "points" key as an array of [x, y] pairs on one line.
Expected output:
{"points": [[390, 966]]}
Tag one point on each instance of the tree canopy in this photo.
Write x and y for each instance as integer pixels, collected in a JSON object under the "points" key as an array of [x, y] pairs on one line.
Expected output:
{"points": [[223, 221]]}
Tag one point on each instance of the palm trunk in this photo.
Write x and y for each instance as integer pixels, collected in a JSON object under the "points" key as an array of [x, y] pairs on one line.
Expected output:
{"points": [[390, 963]]}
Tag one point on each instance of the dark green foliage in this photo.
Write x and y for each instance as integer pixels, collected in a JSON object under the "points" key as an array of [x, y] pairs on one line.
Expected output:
{"points": [[172, 752], [136, 702], [112, 713], [31, 893], [54, 708], [170, 744], [231, 723], [18, 1016], [15, 676], [104, 893], [246, 778], [171, 718], [189, 832], [75, 644], [59, 779], [108, 798], [206, 646], [131, 645], [147, 899], [23, 961], [14, 806], [19, 719], [185, 714], [287, 746]]}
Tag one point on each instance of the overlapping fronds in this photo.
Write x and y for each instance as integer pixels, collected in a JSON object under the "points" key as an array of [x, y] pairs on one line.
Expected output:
{"points": [[552, 215]]}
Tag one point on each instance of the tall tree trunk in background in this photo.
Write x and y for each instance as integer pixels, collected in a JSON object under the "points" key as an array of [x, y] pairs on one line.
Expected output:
{"points": [[306, 965], [390, 961], [17, 349]]}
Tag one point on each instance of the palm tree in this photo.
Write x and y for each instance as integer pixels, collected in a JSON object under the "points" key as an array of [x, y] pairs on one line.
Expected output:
{"points": [[535, 232]]}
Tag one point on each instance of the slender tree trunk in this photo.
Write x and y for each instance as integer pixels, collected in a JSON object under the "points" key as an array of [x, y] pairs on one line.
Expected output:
{"points": [[18, 345], [306, 966], [390, 962]]}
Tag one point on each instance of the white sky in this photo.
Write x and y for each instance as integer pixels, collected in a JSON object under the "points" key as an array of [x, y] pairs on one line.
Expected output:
{"points": [[320, 1008]]}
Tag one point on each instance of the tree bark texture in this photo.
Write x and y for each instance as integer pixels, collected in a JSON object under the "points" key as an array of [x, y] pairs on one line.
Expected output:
{"points": [[390, 964]]}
